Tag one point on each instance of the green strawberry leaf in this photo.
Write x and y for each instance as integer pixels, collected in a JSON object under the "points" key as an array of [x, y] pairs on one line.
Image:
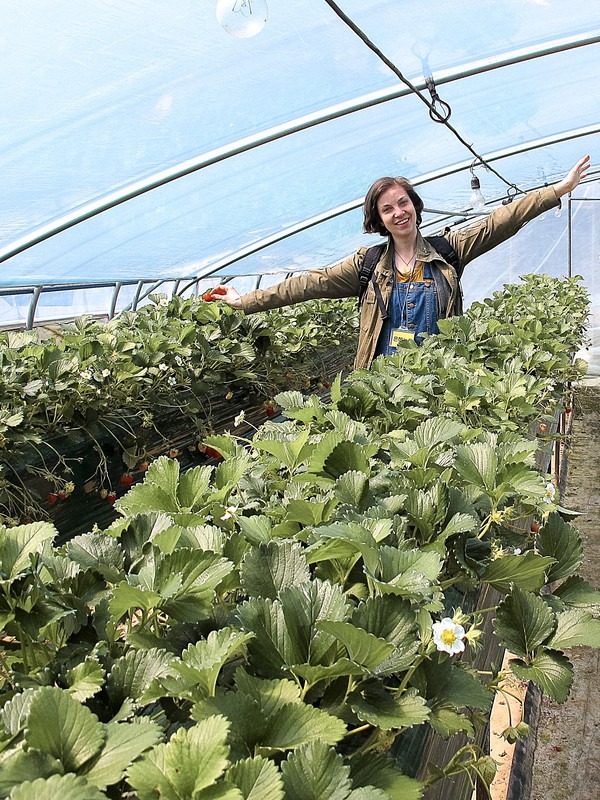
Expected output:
{"points": [[193, 487], [373, 703], [443, 684], [133, 673], [125, 742], [19, 543], [193, 759], [550, 670], [60, 726], [523, 622], [528, 572], [291, 454], [19, 765], [447, 722], [15, 711], [363, 648], [272, 567], [352, 488], [574, 627], [57, 787], [562, 542], [99, 552], [85, 680], [577, 593], [257, 779], [316, 772], [381, 772], [296, 724]]}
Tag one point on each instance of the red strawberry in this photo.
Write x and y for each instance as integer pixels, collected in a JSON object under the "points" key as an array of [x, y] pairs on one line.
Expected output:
{"points": [[52, 498], [535, 526], [126, 479], [144, 466], [62, 495], [218, 291], [111, 497], [212, 453]]}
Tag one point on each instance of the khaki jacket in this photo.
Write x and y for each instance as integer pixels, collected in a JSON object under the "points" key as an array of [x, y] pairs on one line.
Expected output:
{"points": [[342, 280]]}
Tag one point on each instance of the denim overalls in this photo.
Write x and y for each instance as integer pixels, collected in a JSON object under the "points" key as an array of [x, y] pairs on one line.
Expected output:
{"points": [[413, 306]]}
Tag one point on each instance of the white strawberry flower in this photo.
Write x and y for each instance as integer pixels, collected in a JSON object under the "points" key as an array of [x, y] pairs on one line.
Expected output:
{"points": [[230, 512], [448, 636], [239, 419]]}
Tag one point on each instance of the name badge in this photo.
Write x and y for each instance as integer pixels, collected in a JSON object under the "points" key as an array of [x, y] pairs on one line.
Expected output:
{"points": [[400, 334]]}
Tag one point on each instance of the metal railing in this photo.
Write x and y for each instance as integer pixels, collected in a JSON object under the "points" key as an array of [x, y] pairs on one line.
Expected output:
{"points": [[143, 289]]}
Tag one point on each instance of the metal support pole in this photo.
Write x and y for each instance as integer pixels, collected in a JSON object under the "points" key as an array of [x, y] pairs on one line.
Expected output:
{"points": [[113, 302], [136, 298], [570, 236], [33, 306]]}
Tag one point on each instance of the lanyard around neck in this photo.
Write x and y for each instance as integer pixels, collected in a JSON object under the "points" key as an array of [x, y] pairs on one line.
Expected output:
{"points": [[404, 313]]}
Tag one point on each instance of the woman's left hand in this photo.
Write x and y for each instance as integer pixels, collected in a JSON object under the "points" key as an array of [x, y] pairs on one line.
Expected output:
{"points": [[573, 177]]}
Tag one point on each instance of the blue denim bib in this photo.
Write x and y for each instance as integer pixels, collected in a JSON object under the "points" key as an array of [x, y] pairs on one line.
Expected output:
{"points": [[412, 306]]}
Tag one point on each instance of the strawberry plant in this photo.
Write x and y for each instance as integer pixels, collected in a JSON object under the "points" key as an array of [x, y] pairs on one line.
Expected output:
{"points": [[95, 386], [296, 608]]}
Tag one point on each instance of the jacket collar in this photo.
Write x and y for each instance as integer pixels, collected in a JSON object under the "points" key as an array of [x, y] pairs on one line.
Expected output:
{"points": [[425, 251]]}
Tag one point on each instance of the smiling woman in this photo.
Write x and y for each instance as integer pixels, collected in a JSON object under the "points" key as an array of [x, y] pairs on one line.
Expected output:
{"points": [[411, 285]]}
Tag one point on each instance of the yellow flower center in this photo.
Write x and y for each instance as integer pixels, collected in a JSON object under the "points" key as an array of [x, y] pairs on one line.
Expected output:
{"points": [[448, 637]]}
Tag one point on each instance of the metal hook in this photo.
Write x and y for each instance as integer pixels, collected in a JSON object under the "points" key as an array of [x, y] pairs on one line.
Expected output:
{"points": [[439, 110], [511, 193]]}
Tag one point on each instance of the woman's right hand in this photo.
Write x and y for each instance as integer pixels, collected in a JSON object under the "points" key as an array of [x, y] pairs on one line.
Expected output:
{"points": [[227, 294]]}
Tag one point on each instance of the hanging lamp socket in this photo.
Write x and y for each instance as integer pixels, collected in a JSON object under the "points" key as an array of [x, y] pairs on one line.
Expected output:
{"points": [[477, 199]]}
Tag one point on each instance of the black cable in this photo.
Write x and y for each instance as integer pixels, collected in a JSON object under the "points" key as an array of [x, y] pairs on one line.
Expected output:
{"points": [[436, 115]]}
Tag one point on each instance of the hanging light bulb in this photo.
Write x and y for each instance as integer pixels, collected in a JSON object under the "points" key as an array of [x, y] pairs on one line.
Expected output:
{"points": [[242, 18], [477, 200]]}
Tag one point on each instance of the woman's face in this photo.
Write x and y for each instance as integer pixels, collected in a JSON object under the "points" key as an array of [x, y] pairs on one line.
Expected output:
{"points": [[397, 212]]}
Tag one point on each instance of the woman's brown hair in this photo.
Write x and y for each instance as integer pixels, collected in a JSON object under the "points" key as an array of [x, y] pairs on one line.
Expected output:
{"points": [[372, 221]]}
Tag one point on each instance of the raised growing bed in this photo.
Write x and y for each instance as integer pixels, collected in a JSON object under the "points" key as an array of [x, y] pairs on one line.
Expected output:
{"points": [[87, 408]]}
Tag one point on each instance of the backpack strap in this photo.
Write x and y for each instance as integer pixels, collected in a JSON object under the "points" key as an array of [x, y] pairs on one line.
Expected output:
{"points": [[442, 246], [367, 267], [365, 274]]}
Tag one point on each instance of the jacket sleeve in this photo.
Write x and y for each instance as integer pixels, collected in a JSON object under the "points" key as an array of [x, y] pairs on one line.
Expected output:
{"points": [[338, 281], [503, 222]]}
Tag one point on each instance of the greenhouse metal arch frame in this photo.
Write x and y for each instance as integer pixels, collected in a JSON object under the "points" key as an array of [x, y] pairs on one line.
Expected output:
{"points": [[108, 111]]}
